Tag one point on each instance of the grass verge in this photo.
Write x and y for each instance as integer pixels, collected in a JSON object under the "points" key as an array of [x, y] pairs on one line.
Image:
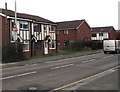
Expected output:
{"points": [[62, 53]]}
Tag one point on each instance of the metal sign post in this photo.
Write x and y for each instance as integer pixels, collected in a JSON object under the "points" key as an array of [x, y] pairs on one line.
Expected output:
{"points": [[15, 31]]}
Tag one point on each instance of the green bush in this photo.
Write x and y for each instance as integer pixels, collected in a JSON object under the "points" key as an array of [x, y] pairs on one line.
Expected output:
{"points": [[81, 45], [97, 45], [12, 53]]}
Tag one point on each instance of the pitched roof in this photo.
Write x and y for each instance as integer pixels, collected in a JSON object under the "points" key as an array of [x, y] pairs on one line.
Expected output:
{"points": [[118, 31], [69, 24], [102, 29], [25, 16]]}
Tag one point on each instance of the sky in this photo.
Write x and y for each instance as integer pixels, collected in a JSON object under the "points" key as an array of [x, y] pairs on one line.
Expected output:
{"points": [[97, 13]]}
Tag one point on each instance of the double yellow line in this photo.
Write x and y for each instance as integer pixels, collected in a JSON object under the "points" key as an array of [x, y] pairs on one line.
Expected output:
{"points": [[65, 86]]}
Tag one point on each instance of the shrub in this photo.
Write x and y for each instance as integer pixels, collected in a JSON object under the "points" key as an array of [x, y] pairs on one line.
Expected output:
{"points": [[11, 53], [97, 45], [81, 44]]}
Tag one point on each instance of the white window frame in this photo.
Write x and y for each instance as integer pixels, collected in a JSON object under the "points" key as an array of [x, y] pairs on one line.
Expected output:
{"points": [[49, 28], [54, 45], [24, 22], [101, 33], [26, 43], [52, 27], [66, 32], [94, 34], [45, 28]]}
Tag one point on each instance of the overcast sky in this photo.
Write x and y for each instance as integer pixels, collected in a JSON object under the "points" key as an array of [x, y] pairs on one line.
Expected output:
{"points": [[96, 12]]}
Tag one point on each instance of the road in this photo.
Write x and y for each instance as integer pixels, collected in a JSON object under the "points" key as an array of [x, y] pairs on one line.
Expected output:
{"points": [[57, 75]]}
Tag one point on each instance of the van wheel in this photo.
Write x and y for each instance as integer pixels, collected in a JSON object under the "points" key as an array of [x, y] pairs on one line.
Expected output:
{"points": [[105, 52], [117, 51]]}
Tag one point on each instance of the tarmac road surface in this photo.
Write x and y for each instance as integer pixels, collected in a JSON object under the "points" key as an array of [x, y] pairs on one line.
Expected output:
{"points": [[56, 74]]}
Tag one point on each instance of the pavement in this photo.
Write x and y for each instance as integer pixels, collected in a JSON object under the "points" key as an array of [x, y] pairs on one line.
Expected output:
{"points": [[47, 59]]}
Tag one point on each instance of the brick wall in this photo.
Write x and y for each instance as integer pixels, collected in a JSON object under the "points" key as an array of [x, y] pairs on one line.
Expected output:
{"points": [[70, 36], [112, 35], [5, 31], [84, 32], [118, 35]]}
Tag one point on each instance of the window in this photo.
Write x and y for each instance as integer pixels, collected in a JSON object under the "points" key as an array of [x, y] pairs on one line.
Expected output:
{"points": [[49, 28], [26, 46], [45, 27], [13, 22], [52, 45], [94, 35], [37, 27], [100, 34], [52, 28], [58, 42], [24, 25], [65, 32], [66, 42]]}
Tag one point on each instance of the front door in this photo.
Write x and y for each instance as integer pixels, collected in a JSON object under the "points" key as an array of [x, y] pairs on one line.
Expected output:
{"points": [[45, 47]]}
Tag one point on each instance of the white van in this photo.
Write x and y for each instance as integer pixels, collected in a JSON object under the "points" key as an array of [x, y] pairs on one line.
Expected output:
{"points": [[111, 46]]}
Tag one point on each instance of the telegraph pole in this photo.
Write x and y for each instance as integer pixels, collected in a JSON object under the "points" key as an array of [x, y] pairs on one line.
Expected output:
{"points": [[6, 31], [15, 13], [6, 23], [16, 43]]}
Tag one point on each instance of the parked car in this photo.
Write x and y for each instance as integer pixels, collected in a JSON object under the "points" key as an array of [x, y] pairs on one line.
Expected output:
{"points": [[111, 46]]}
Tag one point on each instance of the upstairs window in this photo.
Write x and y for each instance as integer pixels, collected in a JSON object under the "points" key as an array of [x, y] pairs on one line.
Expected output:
{"points": [[12, 24], [37, 27], [100, 34], [94, 35], [24, 25], [45, 27], [53, 28], [66, 32], [49, 28]]}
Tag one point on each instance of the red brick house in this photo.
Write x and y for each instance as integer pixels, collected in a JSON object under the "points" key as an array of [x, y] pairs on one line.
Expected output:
{"points": [[101, 33], [68, 31], [118, 34], [37, 34]]}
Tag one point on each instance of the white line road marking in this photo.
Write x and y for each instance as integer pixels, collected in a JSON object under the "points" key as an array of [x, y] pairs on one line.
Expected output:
{"points": [[88, 61], [55, 61], [108, 56], [62, 66], [84, 61], [92, 60], [67, 65], [18, 75]]}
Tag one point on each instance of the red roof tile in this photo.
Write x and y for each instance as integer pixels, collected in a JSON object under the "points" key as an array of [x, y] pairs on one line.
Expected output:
{"points": [[102, 29], [25, 16], [69, 24]]}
